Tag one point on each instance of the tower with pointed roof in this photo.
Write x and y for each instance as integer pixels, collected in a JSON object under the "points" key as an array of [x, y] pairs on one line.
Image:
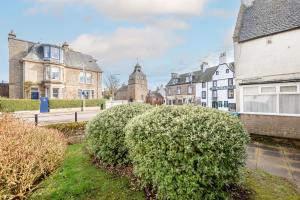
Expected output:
{"points": [[137, 85]]}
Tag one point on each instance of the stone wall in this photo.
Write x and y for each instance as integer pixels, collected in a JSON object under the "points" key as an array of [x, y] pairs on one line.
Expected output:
{"points": [[17, 50], [137, 90], [272, 125], [72, 84]]}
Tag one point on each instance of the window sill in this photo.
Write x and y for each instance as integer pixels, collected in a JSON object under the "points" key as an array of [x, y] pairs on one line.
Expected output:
{"points": [[271, 114]]}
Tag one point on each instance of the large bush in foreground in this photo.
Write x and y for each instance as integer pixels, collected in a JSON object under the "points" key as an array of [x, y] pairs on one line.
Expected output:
{"points": [[27, 154], [187, 152], [105, 132]]}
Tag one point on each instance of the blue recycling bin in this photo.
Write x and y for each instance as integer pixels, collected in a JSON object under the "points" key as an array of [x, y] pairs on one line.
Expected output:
{"points": [[44, 105]]}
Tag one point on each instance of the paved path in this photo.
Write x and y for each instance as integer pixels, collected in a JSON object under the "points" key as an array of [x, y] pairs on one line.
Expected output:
{"points": [[54, 118], [279, 161]]}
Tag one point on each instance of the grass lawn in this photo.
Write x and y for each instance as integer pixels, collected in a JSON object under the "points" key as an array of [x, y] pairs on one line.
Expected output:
{"points": [[268, 187], [77, 178]]}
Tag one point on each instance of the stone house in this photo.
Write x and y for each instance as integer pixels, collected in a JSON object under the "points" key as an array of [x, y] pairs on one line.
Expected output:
{"points": [[267, 51], [47, 70], [210, 87], [137, 88], [181, 89], [155, 98]]}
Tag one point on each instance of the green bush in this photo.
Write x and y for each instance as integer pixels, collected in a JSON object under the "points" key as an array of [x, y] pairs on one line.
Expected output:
{"points": [[105, 133], [69, 129], [12, 105], [76, 103], [187, 152]]}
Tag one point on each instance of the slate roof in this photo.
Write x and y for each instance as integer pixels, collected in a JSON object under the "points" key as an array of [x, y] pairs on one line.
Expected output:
{"points": [[137, 72], [71, 58], [266, 17], [198, 76], [155, 94]]}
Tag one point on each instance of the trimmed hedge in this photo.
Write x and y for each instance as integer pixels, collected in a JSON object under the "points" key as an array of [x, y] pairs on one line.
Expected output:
{"points": [[13, 105], [187, 152], [76, 103], [69, 129], [105, 133]]}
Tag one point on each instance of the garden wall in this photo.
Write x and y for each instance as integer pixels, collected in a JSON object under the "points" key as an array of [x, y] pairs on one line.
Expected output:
{"points": [[271, 125]]}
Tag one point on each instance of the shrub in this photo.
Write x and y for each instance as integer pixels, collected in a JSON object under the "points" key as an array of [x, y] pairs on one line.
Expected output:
{"points": [[69, 129], [27, 154], [187, 152], [76, 103], [12, 105], [105, 133]]}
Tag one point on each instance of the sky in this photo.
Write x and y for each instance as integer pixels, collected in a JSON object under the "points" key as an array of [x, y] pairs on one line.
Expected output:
{"points": [[163, 35]]}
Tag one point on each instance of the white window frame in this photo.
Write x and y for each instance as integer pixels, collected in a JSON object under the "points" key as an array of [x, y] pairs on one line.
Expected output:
{"points": [[58, 92], [51, 72], [86, 78], [277, 93], [190, 89], [83, 77], [178, 90]]}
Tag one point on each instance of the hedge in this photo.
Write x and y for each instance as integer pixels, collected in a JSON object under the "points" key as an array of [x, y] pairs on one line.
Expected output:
{"points": [[187, 152], [76, 103], [27, 155], [105, 135], [12, 105], [69, 129]]}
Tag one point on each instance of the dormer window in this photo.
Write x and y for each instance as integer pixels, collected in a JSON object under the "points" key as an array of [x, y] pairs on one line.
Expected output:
{"points": [[52, 52], [55, 53], [46, 51]]}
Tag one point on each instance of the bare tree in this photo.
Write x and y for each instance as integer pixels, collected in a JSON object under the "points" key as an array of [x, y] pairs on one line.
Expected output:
{"points": [[112, 84]]}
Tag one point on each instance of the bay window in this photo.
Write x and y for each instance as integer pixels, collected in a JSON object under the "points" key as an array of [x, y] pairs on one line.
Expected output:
{"points": [[178, 90], [55, 73], [190, 89], [55, 92], [271, 99]]}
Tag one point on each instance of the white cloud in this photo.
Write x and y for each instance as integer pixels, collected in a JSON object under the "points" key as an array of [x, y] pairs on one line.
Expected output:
{"points": [[127, 43], [133, 9]]}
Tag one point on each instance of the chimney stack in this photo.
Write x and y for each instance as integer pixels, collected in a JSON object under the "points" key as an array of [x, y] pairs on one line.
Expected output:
{"points": [[222, 59], [204, 66], [12, 35], [65, 46], [174, 75]]}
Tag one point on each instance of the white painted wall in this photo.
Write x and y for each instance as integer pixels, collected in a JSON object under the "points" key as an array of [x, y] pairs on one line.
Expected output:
{"points": [[260, 59], [222, 81]]}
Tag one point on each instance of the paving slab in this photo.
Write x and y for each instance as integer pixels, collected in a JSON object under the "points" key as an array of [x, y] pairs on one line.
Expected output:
{"points": [[276, 160]]}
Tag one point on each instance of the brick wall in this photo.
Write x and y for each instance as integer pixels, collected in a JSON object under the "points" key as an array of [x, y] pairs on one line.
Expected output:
{"points": [[271, 125]]}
